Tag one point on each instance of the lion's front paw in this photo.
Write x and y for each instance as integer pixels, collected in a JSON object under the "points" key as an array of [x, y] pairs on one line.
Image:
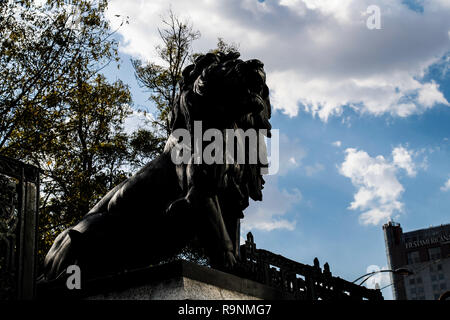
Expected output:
{"points": [[229, 260]]}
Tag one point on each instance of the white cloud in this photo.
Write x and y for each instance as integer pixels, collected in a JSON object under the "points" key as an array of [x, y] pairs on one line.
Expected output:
{"points": [[429, 94], [268, 214], [319, 54], [402, 159], [379, 190], [379, 279], [446, 186], [137, 120], [337, 144]]}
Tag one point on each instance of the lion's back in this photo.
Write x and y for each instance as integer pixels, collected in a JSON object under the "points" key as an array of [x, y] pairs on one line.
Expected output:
{"points": [[153, 188]]}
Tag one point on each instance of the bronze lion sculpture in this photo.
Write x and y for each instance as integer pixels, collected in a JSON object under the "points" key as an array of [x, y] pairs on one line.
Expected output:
{"points": [[151, 215]]}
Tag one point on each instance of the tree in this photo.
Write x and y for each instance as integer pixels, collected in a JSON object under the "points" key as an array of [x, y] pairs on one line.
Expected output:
{"points": [[144, 145], [43, 51], [162, 80], [225, 47], [88, 156]]}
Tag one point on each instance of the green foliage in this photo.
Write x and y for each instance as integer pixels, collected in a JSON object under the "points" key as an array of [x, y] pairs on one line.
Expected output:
{"points": [[221, 46], [43, 51], [88, 156], [225, 47], [144, 144]]}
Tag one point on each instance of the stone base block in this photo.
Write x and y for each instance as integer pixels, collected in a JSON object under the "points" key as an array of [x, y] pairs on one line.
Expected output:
{"points": [[180, 280]]}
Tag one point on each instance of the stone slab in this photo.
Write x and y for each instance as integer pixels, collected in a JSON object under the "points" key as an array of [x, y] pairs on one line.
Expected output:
{"points": [[172, 281]]}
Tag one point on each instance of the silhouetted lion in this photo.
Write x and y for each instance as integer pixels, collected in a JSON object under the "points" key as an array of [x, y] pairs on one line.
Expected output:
{"points": [[150, 216]]}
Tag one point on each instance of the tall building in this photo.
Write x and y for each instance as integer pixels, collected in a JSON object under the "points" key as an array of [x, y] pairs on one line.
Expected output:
{"points": [[425, 252]]}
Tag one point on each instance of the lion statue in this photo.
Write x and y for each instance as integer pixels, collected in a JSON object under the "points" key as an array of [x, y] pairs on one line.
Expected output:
{"points": [[150, 216]]}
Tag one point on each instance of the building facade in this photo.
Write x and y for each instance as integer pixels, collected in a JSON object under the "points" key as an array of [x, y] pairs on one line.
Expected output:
{"points": [[425, 252]]}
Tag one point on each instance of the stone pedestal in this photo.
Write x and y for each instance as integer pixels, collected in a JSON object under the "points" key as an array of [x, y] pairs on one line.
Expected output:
{"points": [[179, 280]]}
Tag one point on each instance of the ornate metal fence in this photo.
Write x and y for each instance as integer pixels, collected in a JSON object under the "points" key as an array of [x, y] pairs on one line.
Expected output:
{"points": [[305, 282], [19, 202]]}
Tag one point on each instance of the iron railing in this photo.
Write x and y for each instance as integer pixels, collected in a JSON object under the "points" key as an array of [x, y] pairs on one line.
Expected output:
{"points": [[19, 203], [303, 281]]}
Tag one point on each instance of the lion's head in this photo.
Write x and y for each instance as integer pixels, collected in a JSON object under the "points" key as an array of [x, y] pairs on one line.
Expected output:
{"points": [[223, 90]]}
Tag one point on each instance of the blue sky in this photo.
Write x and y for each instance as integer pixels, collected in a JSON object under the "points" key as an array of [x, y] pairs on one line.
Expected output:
{"points": [[363, 116]]}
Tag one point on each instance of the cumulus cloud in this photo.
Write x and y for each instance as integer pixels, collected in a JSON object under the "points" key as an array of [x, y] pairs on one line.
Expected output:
{"points": [[268, 215], [446, 186], [402, 159], [379, 190], [319, 55]]}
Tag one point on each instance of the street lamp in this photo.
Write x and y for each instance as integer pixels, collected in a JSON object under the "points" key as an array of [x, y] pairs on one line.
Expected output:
{"points": [[399, 271]]}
